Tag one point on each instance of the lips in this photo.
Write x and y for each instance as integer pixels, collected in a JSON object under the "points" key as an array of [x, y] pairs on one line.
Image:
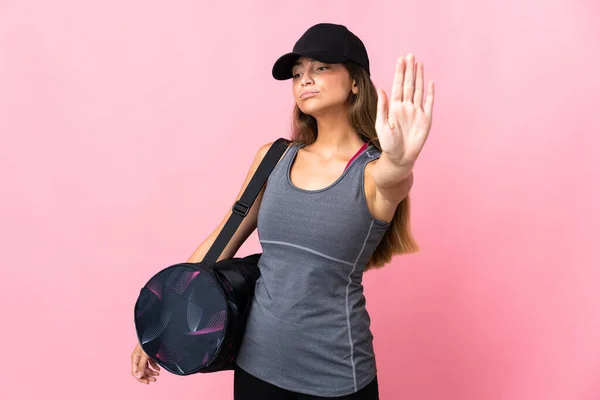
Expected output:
{"points": [[306, 95]]}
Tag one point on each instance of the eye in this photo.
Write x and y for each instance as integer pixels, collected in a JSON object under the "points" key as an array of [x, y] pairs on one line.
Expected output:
{"points": [[322, 68]]}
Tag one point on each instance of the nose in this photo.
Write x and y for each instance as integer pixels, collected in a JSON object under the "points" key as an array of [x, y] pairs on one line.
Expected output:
{"points": [[306, 78]]}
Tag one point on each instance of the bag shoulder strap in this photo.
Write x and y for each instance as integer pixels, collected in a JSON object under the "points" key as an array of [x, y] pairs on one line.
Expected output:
{"points": [[241, 207]]}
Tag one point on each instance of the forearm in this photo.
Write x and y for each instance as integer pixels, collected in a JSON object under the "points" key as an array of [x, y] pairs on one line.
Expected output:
{"points": [[229, 251], [201, 250], [390, 173]]}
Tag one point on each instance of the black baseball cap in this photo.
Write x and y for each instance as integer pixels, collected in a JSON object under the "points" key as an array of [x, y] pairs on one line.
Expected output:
{"points": [[327, 43]]}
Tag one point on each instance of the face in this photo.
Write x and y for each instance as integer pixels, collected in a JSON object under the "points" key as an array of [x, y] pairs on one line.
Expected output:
{"points": [[319, 87]]}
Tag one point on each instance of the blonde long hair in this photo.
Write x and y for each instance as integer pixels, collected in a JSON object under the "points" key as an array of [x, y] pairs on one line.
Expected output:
{"points": [[362, 112]]}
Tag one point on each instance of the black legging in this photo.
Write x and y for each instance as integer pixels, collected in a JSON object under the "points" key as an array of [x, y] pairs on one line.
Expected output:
{"points": [[249, 387]]}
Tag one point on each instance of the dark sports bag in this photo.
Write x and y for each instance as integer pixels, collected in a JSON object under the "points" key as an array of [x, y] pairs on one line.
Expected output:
{"points": [[191, 317]]}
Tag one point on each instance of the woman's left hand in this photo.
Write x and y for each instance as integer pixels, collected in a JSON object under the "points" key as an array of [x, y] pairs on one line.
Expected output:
{"points": [[403, 124]]}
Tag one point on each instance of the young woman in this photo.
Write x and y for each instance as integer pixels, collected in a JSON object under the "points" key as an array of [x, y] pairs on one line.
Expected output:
{"points": [[335, 205]]}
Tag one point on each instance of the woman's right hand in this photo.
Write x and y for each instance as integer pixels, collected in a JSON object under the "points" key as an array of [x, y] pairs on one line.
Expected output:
{"points": [[140, 366]]}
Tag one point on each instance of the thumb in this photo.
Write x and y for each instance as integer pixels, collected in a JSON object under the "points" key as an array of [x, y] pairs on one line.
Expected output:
{"points": [[382, 110]]}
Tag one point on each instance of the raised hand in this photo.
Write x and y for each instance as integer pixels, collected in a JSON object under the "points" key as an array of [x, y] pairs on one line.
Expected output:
{"points": [[403, 123]]}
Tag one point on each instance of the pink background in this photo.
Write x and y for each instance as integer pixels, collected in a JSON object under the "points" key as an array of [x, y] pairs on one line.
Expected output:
{"points": [[127, 128]]}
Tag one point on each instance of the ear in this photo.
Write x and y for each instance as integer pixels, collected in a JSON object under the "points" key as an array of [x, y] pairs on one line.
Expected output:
{"points": [[354, 87]]}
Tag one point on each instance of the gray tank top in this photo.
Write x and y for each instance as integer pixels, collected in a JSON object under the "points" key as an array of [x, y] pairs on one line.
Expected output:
{"points": [[308, 329]]}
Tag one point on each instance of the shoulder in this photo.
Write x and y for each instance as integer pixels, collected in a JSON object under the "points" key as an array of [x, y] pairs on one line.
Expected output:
{"points": [[263, 149]]}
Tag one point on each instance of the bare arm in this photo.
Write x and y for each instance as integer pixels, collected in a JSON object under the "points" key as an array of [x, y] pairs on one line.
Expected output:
{"points": [[248, 224], [393, 181], [384, 190], [140, 362]]}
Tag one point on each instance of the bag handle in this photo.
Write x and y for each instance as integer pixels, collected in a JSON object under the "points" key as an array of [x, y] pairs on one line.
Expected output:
{"points": [[241, 207]]}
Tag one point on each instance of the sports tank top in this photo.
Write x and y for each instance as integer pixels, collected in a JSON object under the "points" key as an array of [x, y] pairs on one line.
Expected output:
{"points": [[308, 329]]}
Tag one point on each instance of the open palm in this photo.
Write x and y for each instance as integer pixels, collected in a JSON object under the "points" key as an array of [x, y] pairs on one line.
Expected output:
{"points": [[403, 122]]}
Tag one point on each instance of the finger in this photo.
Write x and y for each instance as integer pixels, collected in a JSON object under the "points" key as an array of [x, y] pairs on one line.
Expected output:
{"points": [[135, 361], [429, 100], [396, 94], [382, 109], [141, 366], [418, 101], [409, 78], [150, 375], [154, 364]]}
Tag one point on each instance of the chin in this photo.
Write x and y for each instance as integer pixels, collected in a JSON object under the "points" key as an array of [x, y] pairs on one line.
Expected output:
{"points": [[308, 110], [312, 107]]}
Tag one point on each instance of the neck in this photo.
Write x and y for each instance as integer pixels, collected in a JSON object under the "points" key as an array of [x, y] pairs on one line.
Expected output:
{"points": [[336, 135]]}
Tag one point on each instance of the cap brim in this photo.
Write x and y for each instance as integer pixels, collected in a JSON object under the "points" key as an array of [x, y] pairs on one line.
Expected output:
{"points": [[282, 69]]}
